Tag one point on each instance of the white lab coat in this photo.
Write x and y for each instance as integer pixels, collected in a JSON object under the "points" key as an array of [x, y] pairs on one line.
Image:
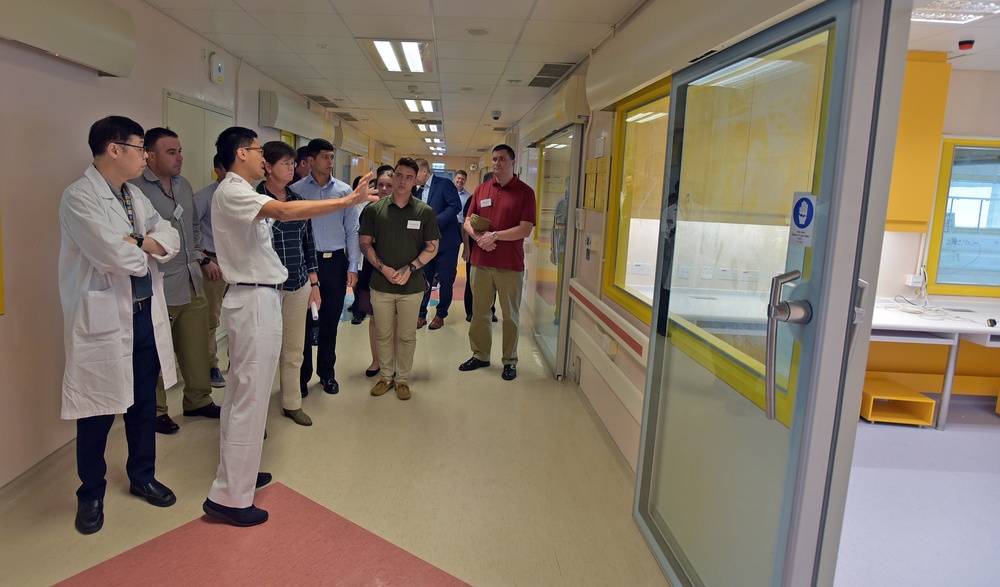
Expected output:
{"points": [[95, 266]]}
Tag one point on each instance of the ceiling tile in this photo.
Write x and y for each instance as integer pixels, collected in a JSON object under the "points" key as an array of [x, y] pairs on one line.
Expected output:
{"points": [[424, 88], [479, 89], [256, 43], [517, 9], [302, 24], [358, 84], [273, 59], [323, 45], [341, 74], [338, 61], [550, 53], [469, 66], [606, 11], [195, 4], [448, 27], [522, 69], [472, 50], [219, 21], [469, 79], [383, 8], [564, 33], [296, 73], [296, 6], [366, 26]]}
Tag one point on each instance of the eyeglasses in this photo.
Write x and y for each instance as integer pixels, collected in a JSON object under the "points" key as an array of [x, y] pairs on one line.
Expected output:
{"points": [[289, 164], [140, 147], [261, 149]]}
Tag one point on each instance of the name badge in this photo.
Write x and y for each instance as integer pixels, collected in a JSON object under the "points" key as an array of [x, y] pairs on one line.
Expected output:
{"points": [[178, 210], [486, 203], [413, 224]]}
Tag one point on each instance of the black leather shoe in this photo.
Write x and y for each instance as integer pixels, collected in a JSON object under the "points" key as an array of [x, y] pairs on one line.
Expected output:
{"points": [[358, 318], [155, 493], [248, 516], [304, 390], [209, 411], [468, 317], [509, 372], [262, 480], [494, 318], [473, 364], [90, 516], [372, 372], [164, 425], [330, 386]]}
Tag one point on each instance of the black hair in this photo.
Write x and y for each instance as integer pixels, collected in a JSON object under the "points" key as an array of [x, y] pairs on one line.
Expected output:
{"points": [[301, 154], [505, 148], [315, 146], [407, 162], [112, 129], [357, 180], [462, 172], [156, 133], [216, 161], [231, 140], [275, 151], [382, 169]]}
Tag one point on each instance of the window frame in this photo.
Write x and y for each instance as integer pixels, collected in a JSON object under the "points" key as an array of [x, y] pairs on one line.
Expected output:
{"points": [[628, 301], [937, 222]]}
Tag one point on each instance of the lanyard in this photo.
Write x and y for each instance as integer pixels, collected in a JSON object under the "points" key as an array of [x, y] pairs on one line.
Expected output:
{"points": [[127, 199]]}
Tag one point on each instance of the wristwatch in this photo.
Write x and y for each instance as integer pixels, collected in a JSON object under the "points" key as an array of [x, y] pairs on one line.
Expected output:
{"points": [[138, 239], [314, 283], [205, 261], [413, 268], [496, 236]]}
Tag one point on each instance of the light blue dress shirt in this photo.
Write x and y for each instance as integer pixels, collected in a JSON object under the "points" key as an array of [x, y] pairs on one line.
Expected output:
{"points": [[336, 230]]}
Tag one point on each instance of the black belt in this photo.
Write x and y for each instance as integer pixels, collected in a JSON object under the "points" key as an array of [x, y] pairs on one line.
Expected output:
{"points": [[140, 305], [279, 286]]}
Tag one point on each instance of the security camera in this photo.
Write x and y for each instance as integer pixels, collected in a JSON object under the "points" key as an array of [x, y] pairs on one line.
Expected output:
{"points": [[496, 114]]}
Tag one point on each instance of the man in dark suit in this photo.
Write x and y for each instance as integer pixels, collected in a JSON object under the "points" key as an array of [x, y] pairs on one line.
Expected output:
{"points": [[442, 196]]}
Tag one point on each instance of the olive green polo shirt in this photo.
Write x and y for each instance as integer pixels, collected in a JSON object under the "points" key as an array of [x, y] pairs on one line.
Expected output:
{"points": [[399, 235]]}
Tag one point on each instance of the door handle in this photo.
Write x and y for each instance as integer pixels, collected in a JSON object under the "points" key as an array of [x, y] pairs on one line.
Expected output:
{"points": [[859, 313], [795, 312]]}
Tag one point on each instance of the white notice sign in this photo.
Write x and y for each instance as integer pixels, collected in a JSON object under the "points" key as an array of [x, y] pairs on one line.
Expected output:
{"points": [[803, 219]]}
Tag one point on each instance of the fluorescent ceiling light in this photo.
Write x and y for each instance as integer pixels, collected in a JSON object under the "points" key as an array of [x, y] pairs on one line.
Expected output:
{"points": [[422, 127], [653, 116], [434, 128], [412, 53], [437, 140], [954, 12], [427, 106], [428, 140], [388, 55], [412, 105]]}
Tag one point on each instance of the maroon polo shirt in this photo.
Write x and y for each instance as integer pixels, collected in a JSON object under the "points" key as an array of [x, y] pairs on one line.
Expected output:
{"points": [[505, 207]]}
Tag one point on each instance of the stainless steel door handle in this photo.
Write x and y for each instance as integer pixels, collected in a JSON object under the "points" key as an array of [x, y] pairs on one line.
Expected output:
{"points": [[859, 314], [795, 312]]}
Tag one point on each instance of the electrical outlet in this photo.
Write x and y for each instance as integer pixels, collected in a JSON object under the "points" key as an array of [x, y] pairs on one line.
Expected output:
{"points": [[727, 274], [707, 272], [641, 269], [204, 55], [684, 272], [915, 280], [749, 275]]}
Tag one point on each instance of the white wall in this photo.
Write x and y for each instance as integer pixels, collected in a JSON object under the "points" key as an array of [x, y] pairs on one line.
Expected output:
{"points": [[48, 107]]}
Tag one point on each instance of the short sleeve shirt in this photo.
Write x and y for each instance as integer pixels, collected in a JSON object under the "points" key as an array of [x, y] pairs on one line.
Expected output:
{"points": [[398, 236], [243, 241], [505, 207]]}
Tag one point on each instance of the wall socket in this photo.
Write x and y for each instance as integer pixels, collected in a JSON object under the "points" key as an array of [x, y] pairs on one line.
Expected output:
{"points": [[641, 269], [915, 280], [707, 272], [749, 275], [683, 272], [727, 274]]}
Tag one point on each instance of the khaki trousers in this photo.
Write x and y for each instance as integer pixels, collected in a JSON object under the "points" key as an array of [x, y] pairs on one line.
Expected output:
{"points": [[214, 292], [188, 325], [506, 286], [293, 337], [396, 315]]}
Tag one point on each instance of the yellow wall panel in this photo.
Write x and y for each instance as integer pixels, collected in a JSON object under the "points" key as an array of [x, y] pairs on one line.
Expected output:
{"points": [[918, 141]]}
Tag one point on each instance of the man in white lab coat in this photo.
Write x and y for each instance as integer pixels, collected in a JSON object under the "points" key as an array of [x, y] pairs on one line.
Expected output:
{"points": [[116, 330]]}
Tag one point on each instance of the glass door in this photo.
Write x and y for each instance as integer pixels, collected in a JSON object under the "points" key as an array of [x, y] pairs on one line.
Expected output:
{"points": [[556, 202], [752, 303]]}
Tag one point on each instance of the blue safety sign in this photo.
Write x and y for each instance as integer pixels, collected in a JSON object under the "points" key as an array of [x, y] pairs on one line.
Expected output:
{"points": [[803, 217]]}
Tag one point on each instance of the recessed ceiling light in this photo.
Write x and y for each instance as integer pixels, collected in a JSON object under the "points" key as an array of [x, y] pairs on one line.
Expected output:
{"points": [[477, 32], [434, 128], [427, 106], [428, 140], [400, 56], [388, 55], [412, 105], [954, 12], [412, 53], [422, 127]]}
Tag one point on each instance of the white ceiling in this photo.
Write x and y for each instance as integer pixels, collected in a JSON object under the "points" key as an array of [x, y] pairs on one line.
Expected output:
{"points": [[313, 47]]}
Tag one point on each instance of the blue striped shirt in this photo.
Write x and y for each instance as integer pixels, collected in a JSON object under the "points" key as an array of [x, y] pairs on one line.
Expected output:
{"points": [[336, 230]]}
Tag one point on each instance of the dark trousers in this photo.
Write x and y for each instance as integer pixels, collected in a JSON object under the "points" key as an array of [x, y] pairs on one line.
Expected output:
{"points": [[332, 289], [140, 419], [468, 292], [445, 265]]}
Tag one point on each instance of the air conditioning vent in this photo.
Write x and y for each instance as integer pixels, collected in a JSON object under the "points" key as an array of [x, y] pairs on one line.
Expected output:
{"points": [[322, 100], [501, 128], [418, 121], [543, 82], [347, 116], [549, 74]]}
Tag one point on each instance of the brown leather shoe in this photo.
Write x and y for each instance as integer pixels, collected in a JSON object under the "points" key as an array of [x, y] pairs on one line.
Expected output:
{"points": [[382, 386], [402, 390], [436, 323], [421, 322]]}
